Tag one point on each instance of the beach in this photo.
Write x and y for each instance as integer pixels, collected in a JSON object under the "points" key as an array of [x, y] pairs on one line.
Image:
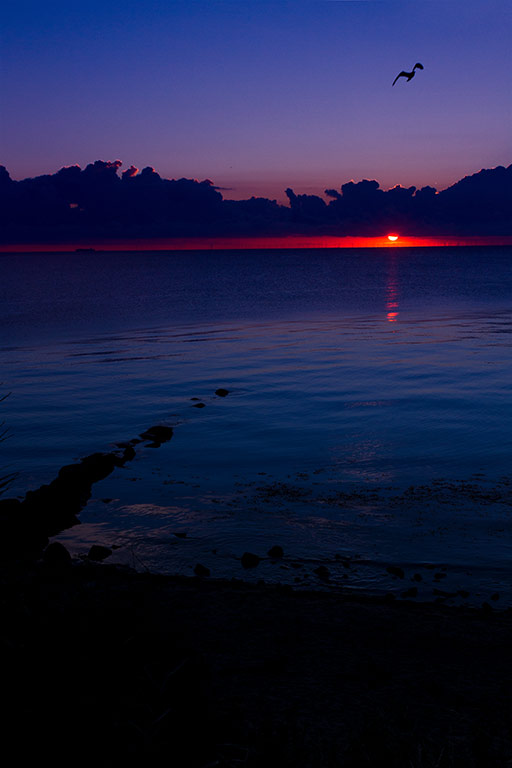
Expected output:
{"points": [[130, 668], [108, 667]]}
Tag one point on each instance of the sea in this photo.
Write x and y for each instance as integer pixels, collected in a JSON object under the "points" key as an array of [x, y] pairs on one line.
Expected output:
{"points": [[367, 429]]}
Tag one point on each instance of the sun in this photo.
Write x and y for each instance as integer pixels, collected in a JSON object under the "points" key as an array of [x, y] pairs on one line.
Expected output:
{"points": [[392, 238]]}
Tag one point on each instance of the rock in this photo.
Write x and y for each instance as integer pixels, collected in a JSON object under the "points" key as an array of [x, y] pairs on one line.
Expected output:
{"points": [[199, 405], [439, 575], [128, 450], [77, 478], [98, 552], [158, 434], [201, 570], [221, 392], [463, 593], [128, 454], [21, 539], [495, 596], [395, 570], [180, 535], [249, 560], [55, 506], [411, 592], [323, 573], [275, 551], [32, 545], [56, 555], [418, 577], [97, 466], [8, 508]]}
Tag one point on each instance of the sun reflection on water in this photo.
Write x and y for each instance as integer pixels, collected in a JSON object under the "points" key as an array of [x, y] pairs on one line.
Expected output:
{"points": [[392, 291]]}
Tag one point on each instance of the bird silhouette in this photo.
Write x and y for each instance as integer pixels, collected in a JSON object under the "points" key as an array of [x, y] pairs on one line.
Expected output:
{"points": [[409, 75]]}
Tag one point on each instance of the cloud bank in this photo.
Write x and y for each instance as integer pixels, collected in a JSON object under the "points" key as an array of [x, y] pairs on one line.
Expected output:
{"points": [[103, 201]]}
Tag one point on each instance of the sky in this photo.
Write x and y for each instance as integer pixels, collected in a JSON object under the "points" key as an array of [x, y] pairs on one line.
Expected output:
{"points": [[256, 95]]}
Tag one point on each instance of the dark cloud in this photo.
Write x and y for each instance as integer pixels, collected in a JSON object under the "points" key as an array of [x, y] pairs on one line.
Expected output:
{"points": [[130, 172], [306, 209], [149, 174], [99, 202], [5, 179]]}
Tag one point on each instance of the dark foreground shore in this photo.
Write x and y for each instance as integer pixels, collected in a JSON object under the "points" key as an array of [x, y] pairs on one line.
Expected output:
{"points": [[104, 666]]}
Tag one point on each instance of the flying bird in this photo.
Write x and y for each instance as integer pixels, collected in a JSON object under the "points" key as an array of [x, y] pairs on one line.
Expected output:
{"points": [[409, 75]]}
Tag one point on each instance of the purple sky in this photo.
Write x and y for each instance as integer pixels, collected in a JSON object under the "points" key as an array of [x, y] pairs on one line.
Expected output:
{"points": [[259, 95]]}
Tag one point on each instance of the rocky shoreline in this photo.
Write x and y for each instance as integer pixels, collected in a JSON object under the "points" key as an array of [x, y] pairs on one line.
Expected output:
{"points": [[27, 525], [103, 665]]}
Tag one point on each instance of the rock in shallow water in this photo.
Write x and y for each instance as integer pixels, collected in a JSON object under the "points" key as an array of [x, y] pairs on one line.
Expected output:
{"points": [[276, 551], [98, 552], [395, 570], [323, 573], [158, 434], [249, 560]]}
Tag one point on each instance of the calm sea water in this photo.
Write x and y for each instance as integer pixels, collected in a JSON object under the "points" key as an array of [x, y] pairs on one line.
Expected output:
{"points": [[368, 421]]}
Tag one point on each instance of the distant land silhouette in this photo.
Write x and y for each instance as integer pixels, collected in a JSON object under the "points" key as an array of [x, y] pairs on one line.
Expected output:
{"points": [[100, 202]]}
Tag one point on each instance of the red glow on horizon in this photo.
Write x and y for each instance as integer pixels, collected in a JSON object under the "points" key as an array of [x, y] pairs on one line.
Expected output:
{"points": [[260, 242]]}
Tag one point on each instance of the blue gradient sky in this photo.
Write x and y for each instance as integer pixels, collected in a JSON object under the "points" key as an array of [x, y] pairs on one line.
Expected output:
{"points": [[259, 95]]}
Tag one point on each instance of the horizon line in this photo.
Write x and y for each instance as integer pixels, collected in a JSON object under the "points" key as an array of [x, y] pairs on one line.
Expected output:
{"points": [[258, 242]]}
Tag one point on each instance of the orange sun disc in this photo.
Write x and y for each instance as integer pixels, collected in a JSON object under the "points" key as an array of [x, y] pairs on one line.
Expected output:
{"points": [[392, 238]]}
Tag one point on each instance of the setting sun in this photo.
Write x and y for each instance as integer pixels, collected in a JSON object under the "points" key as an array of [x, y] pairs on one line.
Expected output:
{"points": [[392, 238]]}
